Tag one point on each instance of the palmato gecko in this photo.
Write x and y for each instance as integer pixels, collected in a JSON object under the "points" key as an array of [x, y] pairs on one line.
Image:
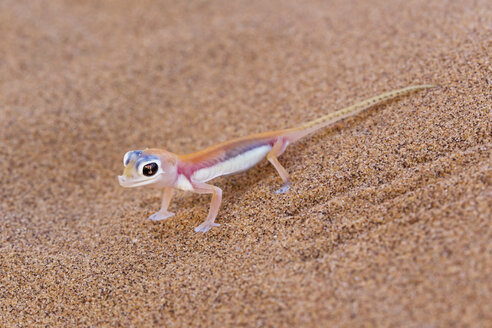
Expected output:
{"points": [[191, 172]]}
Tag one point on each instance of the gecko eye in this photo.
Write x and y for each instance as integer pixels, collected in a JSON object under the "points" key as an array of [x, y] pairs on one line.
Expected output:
{"points": [[150, 169]]}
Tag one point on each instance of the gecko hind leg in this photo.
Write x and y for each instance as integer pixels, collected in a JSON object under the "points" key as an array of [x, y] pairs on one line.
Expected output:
{"points": [[282, 190], [277, 150]]}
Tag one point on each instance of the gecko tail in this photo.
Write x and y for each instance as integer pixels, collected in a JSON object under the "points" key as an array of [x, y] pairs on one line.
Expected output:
{"points": [[312, 126]]}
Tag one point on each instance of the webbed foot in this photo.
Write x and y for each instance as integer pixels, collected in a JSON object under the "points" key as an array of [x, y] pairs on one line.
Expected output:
{"points": [[283, 189], [159, 216], [206, 226]]}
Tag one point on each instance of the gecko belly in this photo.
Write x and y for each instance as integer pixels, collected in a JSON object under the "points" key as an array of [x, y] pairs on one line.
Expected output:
{"points": [[232, 165]]}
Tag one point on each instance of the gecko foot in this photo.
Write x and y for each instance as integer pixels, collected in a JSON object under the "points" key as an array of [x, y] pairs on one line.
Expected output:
{"points": [[205, 226], [159, 216], [283, 189]]}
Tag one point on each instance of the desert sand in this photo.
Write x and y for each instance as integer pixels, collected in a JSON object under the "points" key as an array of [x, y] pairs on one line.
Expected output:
{"points": [[387, 223]]}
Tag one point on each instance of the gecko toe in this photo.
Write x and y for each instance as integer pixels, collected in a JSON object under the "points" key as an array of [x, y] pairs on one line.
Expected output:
{"points": [[283, 189], [159, 216], [204, 227]]}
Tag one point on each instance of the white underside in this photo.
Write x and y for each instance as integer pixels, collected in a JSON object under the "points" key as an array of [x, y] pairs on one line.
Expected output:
{"points": [[183, 183], [233, 165]]}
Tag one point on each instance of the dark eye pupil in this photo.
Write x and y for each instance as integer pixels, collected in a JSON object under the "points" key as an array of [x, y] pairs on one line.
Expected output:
{"points": [[150, 169]]}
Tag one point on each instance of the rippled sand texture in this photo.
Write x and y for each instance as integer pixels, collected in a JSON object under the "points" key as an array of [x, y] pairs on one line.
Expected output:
{"points": [[388, 221]]}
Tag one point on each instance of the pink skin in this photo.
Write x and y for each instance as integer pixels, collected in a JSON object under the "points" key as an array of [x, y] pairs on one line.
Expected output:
{"points": [[163, 212], [191, 172], [177, 172], [188, 169], [203, 188]]}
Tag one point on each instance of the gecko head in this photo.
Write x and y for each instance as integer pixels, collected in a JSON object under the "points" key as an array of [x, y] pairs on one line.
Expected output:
{"points": [[149, 167]]}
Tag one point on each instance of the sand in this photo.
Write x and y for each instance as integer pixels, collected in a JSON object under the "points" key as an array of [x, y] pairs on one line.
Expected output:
{"points": [[387, 223]]}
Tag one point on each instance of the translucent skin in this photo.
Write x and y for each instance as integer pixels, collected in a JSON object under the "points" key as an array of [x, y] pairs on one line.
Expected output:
{"points": [[190, 172]]}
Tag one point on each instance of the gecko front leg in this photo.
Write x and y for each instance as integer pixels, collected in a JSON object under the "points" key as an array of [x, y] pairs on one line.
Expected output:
{"points": [[163, 212], [203, 188]]}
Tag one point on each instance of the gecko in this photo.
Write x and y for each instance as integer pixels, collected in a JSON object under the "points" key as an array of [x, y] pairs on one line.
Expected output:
{"points": [[162, 169]]}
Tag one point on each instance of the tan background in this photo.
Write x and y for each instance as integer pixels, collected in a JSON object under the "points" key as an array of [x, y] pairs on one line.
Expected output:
{"points": [[388, 222]]}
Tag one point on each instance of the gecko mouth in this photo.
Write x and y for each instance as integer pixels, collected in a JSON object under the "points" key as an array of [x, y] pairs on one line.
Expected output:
{"points": [[130, 183]]}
